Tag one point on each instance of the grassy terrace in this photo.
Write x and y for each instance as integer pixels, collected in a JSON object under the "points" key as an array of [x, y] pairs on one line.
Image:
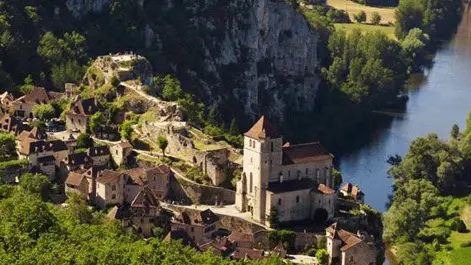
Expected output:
{"points": [[388, 30], [387, 13]]}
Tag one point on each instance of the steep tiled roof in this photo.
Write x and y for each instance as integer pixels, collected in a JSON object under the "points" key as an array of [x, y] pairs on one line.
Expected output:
{"points": [[107, 176], [324, 189], [98, 151], [34, 133], [347, 239], [262, 129], [125, 144], [290, 185], [75, 177], [29, 146], [85, 107], [145, 199], [249, 253], [305, 153], [39, 95], [141, 176]]}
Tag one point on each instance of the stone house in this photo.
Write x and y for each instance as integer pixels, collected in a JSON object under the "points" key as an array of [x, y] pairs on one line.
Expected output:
{"points": [[40, 155], [155, 179], [199, 227], [296, 180], [23, 106], [120, 152], [5, 102], [61, 151], [140, 215], [83, 182], [346, 248], [110, 188], [242, 240], [100, 155], [349, 190], [78, 117], [12, 124]]}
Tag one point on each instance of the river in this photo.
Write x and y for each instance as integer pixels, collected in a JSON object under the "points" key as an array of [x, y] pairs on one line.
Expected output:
{"points": [[438, 99]]}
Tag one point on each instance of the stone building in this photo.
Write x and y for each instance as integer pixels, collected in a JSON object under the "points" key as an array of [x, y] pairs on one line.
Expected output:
{"points": [[354, 192], [199, 227], [346, 248], [100, 155], [296, 180], [78, 117], [140, 215], [23, 106], [120, 152], [5, 102]]}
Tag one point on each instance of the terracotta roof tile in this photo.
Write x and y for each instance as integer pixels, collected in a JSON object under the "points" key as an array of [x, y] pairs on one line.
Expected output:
{"points": [[145, 199], [353, 189], [262, 129], [249, 253], [305, 153], [324, 189], [237, 237], [108, 176], [75, 177]]}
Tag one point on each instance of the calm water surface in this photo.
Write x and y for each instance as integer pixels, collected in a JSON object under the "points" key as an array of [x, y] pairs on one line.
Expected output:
{"points": [[437, 100]]}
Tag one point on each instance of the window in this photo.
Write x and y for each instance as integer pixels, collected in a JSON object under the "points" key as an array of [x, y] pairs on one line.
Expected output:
{"points": [[192, 229], [297, 199], [251, 160], [271, 147], [279, 201], [250, 182], [289, 173], [113, 187], [307, 171], [116, 151], [271, 162], [113, 197]]}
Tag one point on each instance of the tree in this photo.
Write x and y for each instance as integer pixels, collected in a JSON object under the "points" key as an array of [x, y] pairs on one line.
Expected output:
{"points": [[455, 131], [27, 85], [322, 256], [44, 112], [115, 81], [7, 146], [414, 46], [213, 116], [163, 143], [78, 210], [67, 72], [234, 129], [126, 129], [375, 18], [96, 120], [360, 17], [172, 89], [409, 15], [273, 218], [36, 184], [84, 141], [337, 178]]}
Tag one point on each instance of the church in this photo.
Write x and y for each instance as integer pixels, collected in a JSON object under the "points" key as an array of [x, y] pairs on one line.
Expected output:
{"points": [[296, 180]]}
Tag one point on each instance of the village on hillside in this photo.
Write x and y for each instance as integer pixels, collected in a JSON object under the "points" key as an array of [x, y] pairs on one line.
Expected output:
{"points": [[137, 158]]}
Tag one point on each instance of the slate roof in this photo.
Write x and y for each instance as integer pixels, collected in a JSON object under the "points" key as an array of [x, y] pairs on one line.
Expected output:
{"points": [[30, 145], [290, 185], [305, 153], [262, 129], [76, 159], [58, 145], [85, 107], [98, 151]]}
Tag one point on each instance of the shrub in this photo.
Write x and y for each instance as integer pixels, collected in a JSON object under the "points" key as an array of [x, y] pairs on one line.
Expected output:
{"points": [[465, 244], [360, 17], [375, 18], [458, 225]]}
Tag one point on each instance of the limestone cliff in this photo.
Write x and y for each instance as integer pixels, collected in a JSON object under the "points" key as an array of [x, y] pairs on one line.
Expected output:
{"points": [[249, 56]]}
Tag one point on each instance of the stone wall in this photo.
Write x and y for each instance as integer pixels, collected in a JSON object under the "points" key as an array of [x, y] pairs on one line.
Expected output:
{"points": [[211, 162], [188, 192]]}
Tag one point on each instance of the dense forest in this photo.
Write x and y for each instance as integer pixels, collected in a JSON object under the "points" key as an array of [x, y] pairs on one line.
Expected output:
{"points": [[36, 232], [431, 189], [43, 43]]}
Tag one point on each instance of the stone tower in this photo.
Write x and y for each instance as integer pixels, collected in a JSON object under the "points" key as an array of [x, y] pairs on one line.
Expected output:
{"points": [[262, 158]]}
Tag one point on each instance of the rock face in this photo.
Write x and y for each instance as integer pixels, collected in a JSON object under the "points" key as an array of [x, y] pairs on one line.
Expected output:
{"points": [[248, 56]]}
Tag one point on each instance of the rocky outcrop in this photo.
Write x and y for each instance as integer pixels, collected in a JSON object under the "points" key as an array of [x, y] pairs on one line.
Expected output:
{"points": [[249, 56]]}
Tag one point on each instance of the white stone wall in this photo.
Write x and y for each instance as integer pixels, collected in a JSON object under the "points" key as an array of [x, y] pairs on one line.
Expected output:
{"points": [[294, 205], [361, 253]]}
